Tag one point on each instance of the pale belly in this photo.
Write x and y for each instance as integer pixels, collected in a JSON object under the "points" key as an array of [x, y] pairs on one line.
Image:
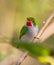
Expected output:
{"points": [[32, 32]]}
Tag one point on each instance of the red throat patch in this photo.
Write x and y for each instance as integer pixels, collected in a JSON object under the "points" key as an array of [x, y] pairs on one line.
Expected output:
{"points": [[29, 23]]}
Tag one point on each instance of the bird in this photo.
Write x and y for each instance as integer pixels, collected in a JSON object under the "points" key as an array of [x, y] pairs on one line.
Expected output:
{"points": [[29, 30]]}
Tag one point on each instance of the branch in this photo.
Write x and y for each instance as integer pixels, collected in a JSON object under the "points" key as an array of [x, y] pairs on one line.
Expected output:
{"points": [[44, 27], [20, 60]]}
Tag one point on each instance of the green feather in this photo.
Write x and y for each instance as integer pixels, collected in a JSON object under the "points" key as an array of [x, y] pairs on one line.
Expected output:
{"points": [[23, 31]]}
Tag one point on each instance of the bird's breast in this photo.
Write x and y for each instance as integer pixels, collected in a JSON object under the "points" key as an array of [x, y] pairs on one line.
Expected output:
{"points": [[33, 31]]}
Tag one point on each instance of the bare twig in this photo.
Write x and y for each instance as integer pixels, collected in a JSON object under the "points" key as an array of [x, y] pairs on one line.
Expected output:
{"points": [[22, 57], [44, 27]]}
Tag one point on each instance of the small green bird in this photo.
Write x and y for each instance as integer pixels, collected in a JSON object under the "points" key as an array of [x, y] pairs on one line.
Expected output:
{"points": [[29, 30]]}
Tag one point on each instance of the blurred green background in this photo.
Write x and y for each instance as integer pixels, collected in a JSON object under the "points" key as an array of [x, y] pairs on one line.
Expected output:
{"points": [[13, 13]]}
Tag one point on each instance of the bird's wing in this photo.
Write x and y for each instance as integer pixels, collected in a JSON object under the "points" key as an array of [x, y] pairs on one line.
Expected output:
{"points": [[23, 31]]}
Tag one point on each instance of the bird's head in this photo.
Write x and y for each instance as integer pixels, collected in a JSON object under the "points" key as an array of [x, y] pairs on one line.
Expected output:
{"points": [[31, 21]]}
